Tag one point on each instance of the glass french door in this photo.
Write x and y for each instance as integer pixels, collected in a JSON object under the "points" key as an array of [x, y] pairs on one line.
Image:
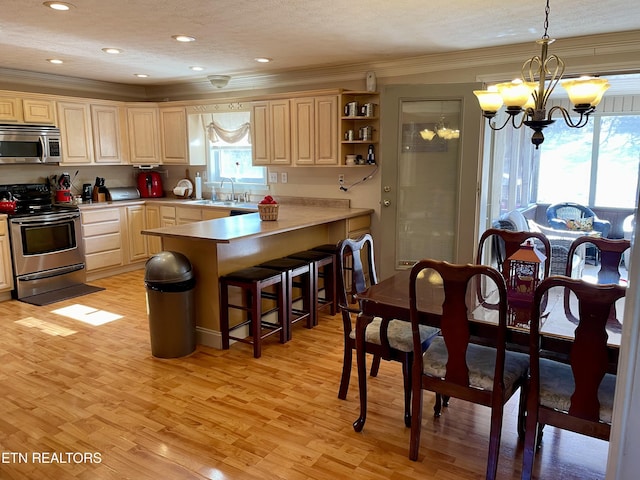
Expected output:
{"points": [[430, 176]]}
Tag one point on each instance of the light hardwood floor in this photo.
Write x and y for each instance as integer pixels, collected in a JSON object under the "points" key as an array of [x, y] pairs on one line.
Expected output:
{"points": [[75, 388]]}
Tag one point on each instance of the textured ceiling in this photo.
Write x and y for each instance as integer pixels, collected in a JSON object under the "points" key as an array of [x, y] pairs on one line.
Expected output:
{"points": [[297, 34]]}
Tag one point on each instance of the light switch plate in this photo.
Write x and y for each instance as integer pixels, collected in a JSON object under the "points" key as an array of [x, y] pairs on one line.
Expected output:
{"points": [[273, 177], [284, 178]]}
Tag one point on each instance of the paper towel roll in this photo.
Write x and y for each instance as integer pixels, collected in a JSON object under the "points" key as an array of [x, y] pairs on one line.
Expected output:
{"points": [[198, 186]]}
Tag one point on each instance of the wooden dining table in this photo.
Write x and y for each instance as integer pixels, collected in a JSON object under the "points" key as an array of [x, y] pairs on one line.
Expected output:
{"points": [[390, 299]]}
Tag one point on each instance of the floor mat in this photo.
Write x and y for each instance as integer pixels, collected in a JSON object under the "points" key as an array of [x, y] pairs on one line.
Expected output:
{"points": [[61, 294]]}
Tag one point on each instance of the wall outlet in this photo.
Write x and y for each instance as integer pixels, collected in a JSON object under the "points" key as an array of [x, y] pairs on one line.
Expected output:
{"points": [[341, 178], [273, 177], [284, 177]]}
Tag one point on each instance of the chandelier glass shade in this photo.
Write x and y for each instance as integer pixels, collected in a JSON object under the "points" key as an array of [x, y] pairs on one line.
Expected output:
{"points": [[529, 95], [441, 131]]}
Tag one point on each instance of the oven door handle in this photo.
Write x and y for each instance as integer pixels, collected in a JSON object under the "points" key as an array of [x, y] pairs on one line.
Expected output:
{"points": [[45, 222]]}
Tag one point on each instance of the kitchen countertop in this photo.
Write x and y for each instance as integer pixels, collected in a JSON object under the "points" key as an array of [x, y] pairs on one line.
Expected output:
{"points": [[172, 202], [228, 229]]}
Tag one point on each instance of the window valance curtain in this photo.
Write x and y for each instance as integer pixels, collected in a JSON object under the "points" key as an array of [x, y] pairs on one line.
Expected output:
{"points": [[227, 127]]}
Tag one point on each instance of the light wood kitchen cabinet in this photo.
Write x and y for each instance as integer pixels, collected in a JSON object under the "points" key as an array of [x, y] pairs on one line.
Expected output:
{"points": [[136, 221], [38, 111], [213, 213], [174, 135], [75, 130], [314, 130], [144, 138], [188, 215], [152, 214], [6, 274], [271, 132], [101, 231], [17, 109], [167, 216], [108, 134]]}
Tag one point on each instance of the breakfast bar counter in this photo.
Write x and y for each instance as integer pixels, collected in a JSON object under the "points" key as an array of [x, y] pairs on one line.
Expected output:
{"points": [[220, 246]]}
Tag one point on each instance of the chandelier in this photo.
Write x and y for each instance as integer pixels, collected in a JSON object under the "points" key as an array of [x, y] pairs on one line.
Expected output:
{"points": [[529, 95], [441, 131]]}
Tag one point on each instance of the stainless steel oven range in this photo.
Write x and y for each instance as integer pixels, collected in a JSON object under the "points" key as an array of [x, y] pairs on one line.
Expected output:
{"points": [[46, 242]]}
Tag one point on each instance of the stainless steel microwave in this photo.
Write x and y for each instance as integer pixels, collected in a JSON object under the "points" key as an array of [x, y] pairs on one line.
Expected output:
{"points": [[30, 144]]}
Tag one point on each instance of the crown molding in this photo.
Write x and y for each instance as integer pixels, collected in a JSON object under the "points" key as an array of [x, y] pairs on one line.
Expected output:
{"points": [[484, 64]]}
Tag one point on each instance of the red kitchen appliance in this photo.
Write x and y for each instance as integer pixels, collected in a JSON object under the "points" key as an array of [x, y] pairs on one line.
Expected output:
{"points": [[150, 185]]}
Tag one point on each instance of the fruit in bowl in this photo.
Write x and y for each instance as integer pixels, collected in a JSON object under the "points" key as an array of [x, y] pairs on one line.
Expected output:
{"points": [[268, 208], [268, 200]]}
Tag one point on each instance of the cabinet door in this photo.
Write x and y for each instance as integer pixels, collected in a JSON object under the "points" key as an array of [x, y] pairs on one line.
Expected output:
{"points": [[38, 111], [136, 222], [271, 133], [188, 215], [280, 132], [302, 131], [260, 144], [174, 136], [6, 276], [105, 122], [326, 130], [10, 109], [144, 144], [75, 129], [152, 214]]}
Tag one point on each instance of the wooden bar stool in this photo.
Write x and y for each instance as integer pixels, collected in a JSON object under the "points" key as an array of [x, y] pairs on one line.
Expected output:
{"points": [[324, 268], [297, 275], [334, 248], [253, 281]]}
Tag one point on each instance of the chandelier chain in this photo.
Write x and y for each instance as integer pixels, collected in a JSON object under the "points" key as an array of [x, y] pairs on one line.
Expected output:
{"points": [[547, 10]]}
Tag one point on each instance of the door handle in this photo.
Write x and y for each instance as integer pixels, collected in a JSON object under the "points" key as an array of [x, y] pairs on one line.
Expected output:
{"points": [[386, 203]]}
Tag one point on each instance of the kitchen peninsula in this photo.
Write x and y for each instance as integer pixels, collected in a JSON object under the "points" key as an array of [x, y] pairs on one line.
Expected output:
{"points": [[220, 246]]}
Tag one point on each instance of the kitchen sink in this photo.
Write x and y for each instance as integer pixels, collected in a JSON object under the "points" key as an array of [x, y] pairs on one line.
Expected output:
{"points": [[223, 203]]}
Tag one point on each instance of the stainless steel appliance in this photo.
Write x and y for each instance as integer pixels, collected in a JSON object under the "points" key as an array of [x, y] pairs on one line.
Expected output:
{"points": [[29, 144], [46, 241]]}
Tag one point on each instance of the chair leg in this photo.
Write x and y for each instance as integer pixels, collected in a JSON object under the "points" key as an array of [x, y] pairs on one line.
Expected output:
{"points": [[256, 320], [529, 450], [522, 410], [416, 418], [346, 372], [494, 442], [437, 407], [375, 366], [406, 377]]}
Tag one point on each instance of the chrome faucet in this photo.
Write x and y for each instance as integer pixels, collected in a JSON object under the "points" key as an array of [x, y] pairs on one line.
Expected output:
{"points": [[233, 191]]}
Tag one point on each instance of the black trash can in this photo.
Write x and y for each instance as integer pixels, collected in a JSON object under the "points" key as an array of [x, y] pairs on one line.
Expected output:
{"points": [[169, 281]]}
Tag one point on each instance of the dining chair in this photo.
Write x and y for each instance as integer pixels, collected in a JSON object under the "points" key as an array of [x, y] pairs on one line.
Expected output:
{"points": [[505, 243], [453, 365], [576, 395], [385, 338], [609, 254]]}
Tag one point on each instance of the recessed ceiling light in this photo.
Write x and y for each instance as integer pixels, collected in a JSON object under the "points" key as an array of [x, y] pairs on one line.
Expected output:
{"points": [[263, 59], [112, 51], [54, 60], [197, 69], [184, 38], [61, 6], [141, 75]]}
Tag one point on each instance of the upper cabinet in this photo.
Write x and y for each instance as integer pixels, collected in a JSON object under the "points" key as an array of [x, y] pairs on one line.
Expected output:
{"points": [[31, 110], [107, 122], [271, 132], [174, 135], [75, 130], [314, 130], [91, 133], [359, 124], [144, 138]]}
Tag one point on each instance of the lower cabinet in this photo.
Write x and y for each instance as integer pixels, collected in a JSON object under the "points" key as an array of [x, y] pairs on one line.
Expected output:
{"points": [[6, 275], [152, 214], [102, 234], [136, 221]]}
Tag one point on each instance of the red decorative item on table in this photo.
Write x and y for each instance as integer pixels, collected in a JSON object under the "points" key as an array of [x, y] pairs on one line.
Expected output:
{"points": [[268, 209]]}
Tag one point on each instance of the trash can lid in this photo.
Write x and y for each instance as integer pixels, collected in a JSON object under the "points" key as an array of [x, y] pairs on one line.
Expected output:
{"points": [[168, 267]]}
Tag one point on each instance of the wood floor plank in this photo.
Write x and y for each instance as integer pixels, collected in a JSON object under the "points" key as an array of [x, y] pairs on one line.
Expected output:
{"points": [[72, 386]]}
